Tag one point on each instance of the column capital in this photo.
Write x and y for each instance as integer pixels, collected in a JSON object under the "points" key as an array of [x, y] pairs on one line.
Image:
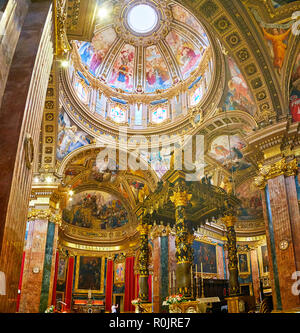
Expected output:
{"points": [[229, 220], [143, 228], [270, 171], [181, 198], [44, 214]]}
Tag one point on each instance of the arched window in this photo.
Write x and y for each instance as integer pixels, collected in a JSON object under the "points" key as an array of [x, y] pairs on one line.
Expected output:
{"points": [[159, 115], [117, 114], [196, 96], [138, 114], [82, 91]]}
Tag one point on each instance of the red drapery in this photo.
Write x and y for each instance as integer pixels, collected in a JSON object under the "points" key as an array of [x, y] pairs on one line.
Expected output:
{"points": [[55, 279], [129, 285], [20, 282], [109, 285], [69, 283], [150, 288]]}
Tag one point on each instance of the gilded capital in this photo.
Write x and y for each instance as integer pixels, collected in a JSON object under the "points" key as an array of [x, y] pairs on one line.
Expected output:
{"points": [[274, 170], [44, 214], [181, 198], [143, 228], [229, 220]]}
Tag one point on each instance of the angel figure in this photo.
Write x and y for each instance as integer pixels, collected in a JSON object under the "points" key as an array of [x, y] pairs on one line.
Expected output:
{"points": [[279, 47]]}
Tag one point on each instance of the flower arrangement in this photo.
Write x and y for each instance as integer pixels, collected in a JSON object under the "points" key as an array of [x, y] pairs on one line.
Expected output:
{"points": [[136, 301], [175, 299], [50, 309]]}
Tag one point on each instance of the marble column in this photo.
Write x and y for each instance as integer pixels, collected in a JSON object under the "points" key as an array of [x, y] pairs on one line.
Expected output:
{"points": [[282, 219], [162, 269], [21, 113], [40, 252], [184, 251]]}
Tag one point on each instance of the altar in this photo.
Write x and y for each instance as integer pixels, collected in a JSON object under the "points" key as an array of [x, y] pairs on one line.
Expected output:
{"points": [[200, 305], [88, 306]]}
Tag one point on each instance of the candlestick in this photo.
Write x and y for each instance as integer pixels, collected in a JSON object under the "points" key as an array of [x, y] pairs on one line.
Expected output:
{"points": [[202, 285], [197, 293], [174, 282], [192, 279]]}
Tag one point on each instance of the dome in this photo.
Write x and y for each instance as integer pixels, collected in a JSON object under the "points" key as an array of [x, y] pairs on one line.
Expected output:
{"points": [[147, 64]]}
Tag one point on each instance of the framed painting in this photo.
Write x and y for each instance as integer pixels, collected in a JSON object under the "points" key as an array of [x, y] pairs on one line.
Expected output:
{"points": [[244, 263], [119, 273], [119, 270], [264, 259], [61, 269], [205, 253], [246, 289], [89, 274]]}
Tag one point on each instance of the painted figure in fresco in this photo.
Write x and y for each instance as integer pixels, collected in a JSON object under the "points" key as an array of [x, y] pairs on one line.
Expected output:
{"points": [[238, 97], [105, 170], [186, 54], [230, 153], [86, 51], [93, 210], [69, 138], [188, 57], [251, 202], [295, 102], [121, 75], [157, 75], [277, 39], [96, 61]]}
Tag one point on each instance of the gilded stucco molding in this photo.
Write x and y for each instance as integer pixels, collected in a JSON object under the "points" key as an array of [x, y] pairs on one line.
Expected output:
{"points": [[282, 167], [44, 214]]}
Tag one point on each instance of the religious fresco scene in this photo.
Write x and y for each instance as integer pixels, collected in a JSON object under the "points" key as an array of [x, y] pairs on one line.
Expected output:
{"points": [[227, 150], [97, 210], [151, 157]]}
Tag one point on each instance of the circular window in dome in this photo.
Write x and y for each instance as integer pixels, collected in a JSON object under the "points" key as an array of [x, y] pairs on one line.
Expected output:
{"points": [[142, 18]]}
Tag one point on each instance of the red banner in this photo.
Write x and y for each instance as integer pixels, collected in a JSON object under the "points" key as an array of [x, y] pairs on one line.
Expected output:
{"points": [[109, 285], [129, 285], [69, 283]]}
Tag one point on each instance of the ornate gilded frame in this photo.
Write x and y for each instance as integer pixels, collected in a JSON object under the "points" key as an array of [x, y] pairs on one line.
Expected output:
{"points": [[84, 291], [250, 287], [244, 275], [119, 261], [63, 278], [205, 274]]}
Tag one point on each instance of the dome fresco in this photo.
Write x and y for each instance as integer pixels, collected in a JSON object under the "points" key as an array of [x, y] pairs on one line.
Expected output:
{"points": [[143, 76], [185, 52]]}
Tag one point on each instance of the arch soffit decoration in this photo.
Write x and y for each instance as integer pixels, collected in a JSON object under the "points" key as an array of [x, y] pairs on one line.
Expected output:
{"points": [[229, 21]]}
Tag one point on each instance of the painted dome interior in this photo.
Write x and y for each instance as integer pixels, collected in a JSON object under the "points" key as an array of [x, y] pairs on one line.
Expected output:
{"points": [[143, 72]]}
